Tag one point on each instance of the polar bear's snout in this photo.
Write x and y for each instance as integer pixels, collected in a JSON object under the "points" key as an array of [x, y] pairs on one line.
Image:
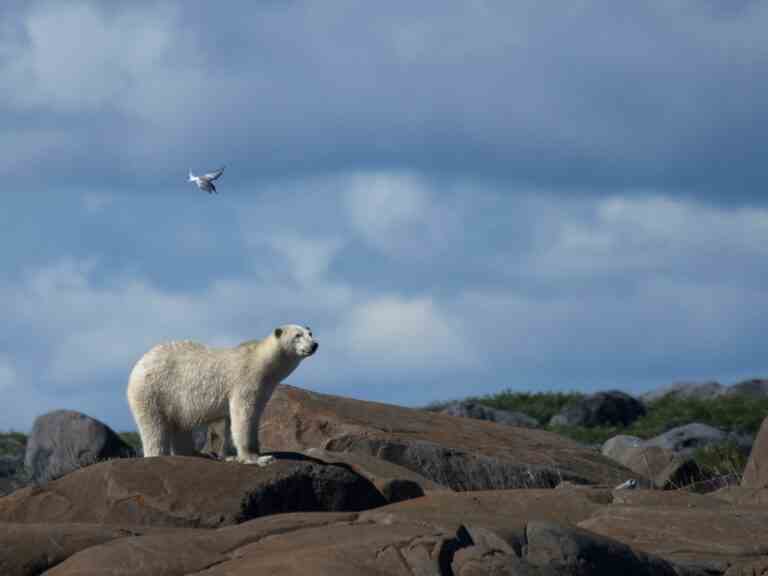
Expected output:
{"points": [[313, 348]]}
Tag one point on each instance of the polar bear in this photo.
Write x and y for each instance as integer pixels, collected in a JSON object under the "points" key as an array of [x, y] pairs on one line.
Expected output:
{"points": [[179, 385]]}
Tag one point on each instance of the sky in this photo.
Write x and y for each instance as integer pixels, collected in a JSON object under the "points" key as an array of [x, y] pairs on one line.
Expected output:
{"points": [[458, 197]]}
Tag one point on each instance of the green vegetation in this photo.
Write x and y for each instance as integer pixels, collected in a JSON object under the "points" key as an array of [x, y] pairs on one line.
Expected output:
{"points": [[722, 459], [730, 413], [132, 439], [541, 406], [12, 442]]}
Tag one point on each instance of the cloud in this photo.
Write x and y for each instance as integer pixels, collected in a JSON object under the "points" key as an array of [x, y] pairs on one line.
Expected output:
{"points": [[652, 234], [405, 333], [307, 258], [55, 67], [7, 374], [399, 214]]}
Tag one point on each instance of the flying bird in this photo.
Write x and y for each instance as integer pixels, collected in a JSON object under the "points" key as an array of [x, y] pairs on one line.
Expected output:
{"points": [[205, 182]]}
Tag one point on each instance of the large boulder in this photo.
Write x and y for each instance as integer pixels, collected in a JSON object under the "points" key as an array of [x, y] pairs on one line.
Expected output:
{"points": [[756, 388], [505, 532], [65, 440], [461, 453], [191, 492], [578, 552], [708, 537], [503, 512], [685, 440], [664, 468], [620, 448], [611, 408], [686, 390], [756, 470], [471, 409], [299, 543]]}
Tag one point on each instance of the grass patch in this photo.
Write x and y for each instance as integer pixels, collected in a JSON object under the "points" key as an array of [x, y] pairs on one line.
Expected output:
{"points": [[739, 414], [12, 443], [541, 405], [723, 459], [132, 439]]}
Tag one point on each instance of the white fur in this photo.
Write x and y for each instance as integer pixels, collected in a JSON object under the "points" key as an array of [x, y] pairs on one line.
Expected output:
{"points": [[179, 385]]}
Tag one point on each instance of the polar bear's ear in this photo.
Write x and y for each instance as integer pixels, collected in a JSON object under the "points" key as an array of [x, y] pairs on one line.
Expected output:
{"points": [[278, 332]]}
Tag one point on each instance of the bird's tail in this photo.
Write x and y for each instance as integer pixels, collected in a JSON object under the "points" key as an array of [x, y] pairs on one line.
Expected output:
{"points": [[191, 176]]}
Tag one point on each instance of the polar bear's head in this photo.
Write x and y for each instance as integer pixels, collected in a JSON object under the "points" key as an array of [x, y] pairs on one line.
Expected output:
{"points": [[296, 339]]}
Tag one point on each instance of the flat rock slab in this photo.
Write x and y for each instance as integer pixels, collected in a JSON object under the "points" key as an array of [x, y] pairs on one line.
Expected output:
{"points": [[461, 453], [351, 549], [29, 549], [504, 512], [180, 552], [191, 492], [711, 537]]}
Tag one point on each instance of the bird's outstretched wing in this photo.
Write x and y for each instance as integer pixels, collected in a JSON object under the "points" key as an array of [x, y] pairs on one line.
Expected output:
{"points": [[214, 175]]}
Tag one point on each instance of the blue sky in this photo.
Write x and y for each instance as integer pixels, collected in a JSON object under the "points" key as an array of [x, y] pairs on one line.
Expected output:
{"points": [[458, 197]]}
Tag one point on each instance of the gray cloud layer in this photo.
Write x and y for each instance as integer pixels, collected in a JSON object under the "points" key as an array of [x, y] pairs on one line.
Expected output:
{"points": [[595, 94], [458, 196]]}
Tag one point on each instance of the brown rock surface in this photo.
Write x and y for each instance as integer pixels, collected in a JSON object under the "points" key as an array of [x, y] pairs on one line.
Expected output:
{"points": [[351, 549], [374, 469], [462, 453], [27, 549], [182, 552], [504, 512], [193, 492], [711, 537], [578, 552], [756, 471]]}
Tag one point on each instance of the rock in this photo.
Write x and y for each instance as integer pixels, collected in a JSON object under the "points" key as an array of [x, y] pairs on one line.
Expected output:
{"points": [[503, 512], [578, 552], [191, 492], [461, 453], [470, 409], [378, 471], [684, 440], [397, 490], [756, 388], [742, 496], [478, 561], [710, 538], [185, 551], [512, 532], [686, 390], [284, 544], [611, 408], [757, 567], [756, 470], [618, 447], [38, 547], [645, 498], [665, 469], [489, 554], [64, 440]]}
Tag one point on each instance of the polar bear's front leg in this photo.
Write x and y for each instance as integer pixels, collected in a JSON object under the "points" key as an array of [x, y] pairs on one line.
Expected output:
{"points": [[245, 415]]}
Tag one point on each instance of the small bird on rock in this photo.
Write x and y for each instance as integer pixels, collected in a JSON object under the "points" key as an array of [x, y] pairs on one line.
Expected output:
{"points": [[205, 182]]}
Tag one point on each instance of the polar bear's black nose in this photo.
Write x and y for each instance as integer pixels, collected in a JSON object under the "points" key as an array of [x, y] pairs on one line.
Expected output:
{"points": [[315, 345]]}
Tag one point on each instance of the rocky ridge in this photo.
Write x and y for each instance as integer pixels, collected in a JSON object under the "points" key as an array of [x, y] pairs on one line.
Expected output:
{"points": [[368, 488]]}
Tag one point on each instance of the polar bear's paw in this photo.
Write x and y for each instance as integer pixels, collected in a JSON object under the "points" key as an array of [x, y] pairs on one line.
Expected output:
{"points": [[258, 460]]}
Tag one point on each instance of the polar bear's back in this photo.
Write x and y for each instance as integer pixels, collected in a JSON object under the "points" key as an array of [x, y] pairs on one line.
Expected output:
{"points": [[185, 382]]}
